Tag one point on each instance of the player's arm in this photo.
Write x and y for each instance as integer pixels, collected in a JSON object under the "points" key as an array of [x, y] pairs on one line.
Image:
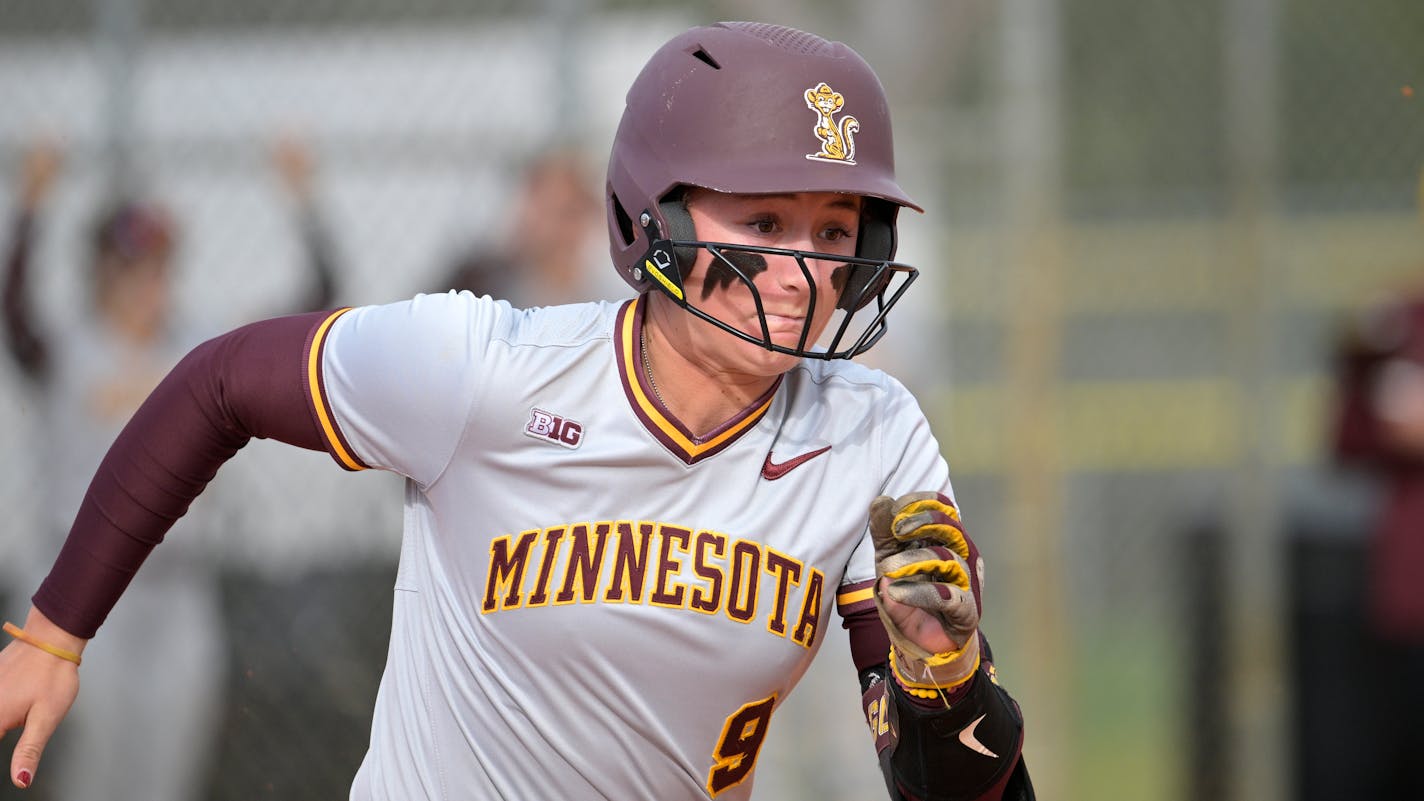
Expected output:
{"points": [[248, 383], [945, 730], [22, 337], [244, 384], [964, 747]]}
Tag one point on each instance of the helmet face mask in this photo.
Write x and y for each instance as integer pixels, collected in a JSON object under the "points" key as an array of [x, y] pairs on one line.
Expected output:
{"points": [[859, 282], [749, 108]]}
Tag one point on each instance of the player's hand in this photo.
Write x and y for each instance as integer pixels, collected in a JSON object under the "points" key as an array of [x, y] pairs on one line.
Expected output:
{"points": [[928, 587], [42, 163], [36, 691]]}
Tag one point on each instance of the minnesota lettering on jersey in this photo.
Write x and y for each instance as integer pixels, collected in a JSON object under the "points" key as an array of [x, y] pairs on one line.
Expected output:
{"points": [[643, 562]]}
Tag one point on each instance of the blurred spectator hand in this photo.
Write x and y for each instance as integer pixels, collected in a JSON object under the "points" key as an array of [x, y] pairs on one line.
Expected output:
{"points": [[1399, 399], [42, 164], [294, 166]]}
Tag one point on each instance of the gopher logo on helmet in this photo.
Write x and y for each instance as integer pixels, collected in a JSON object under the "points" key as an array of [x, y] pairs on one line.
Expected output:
{"points": [[837, 142]]}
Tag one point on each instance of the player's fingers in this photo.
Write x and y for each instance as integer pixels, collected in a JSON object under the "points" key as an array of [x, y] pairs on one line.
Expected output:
{"points": [[39, 727], [936, 580], [882, 511], [933, 526], [947, 602], [918, 502], [911, 498], [935, 562], [929, 515]]}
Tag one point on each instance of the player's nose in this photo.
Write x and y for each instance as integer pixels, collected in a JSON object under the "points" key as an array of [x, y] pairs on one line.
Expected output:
{"points": [[788, 273]]}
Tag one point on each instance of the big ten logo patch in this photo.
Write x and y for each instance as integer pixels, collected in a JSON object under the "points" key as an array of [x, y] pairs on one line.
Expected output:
{"points": [[551, 427]]}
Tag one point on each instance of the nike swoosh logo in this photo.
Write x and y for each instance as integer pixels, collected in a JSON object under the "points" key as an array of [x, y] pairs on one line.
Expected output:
{"points": [[771, 471], [971, 742]]}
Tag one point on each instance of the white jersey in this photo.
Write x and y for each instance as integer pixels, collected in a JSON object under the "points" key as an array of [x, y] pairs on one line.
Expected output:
{"points": [[592, 603]]}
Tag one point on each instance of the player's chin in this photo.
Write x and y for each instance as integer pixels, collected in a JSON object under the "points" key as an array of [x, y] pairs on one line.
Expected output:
{"points": [[778, 363], [758, 359]]}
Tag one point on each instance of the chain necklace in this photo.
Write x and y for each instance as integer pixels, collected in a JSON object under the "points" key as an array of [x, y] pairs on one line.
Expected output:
{"points": [[648, 370]]}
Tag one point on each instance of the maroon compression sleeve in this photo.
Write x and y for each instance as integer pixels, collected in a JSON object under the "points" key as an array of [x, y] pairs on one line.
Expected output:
{"points": [[869, 644], [247, 383]]}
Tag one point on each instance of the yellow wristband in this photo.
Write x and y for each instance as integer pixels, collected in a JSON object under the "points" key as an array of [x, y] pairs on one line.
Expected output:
{"points": [[20, 634], [927, 690]]}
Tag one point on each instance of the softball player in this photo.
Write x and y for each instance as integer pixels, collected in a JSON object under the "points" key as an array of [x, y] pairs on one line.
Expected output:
{"points": [[627, 525]]}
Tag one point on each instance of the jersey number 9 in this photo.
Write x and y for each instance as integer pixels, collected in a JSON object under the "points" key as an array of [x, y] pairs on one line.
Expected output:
{"points": [[736, 752]]}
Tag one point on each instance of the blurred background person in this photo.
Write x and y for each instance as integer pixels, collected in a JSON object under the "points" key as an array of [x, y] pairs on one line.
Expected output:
{"points": [[1379, 429], [87, 376], [550, 248]]}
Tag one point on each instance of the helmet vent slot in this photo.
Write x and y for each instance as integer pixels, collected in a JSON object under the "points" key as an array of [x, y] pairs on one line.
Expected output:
{"points": [[625, 223], [705, 57]]}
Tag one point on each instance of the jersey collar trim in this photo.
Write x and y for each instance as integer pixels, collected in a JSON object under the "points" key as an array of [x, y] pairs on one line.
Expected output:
{"points": [[658, 420]]}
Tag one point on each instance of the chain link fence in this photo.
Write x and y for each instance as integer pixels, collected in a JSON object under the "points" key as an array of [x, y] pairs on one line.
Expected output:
{"points": [[1147, 222]]}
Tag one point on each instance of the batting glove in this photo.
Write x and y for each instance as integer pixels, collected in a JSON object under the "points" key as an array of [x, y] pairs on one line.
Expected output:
{"points": [[924, 560]]}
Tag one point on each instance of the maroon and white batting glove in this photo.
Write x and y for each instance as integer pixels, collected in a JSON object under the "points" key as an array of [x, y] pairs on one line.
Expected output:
{"points": [[921, 549]]}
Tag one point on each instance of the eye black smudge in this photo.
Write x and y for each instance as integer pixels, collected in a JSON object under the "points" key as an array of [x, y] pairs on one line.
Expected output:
{"points": [[720, 274]]}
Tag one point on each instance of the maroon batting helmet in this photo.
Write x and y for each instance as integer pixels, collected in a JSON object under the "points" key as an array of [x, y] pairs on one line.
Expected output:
{"points": [[752, 108]]}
